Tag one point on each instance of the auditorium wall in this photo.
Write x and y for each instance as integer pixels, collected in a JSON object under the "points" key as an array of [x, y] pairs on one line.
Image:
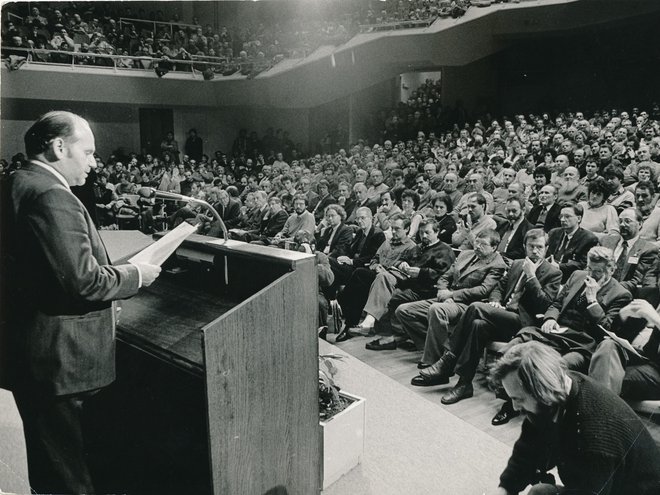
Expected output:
{"points": [[117, 125]]}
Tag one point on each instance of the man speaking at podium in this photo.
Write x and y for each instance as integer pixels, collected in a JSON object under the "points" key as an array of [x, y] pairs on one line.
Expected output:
{"points": [[58, 317]]}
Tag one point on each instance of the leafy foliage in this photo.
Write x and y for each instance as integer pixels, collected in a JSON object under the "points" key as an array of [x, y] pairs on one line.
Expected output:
{"points": [[330, 401]]}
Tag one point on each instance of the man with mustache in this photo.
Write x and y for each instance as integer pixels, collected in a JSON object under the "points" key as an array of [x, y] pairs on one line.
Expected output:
{"points": [[597, 443]]}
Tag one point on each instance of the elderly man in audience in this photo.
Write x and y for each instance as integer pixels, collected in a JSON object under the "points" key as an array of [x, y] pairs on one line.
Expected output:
{"points": [[527, 290], [360, 251], [545, 214], [570, 190], [569, 244], [587, 304], [354, 296], [474, 275], [597, 443], [377, 187], [470, 225], [412, 279], [361, 201]]}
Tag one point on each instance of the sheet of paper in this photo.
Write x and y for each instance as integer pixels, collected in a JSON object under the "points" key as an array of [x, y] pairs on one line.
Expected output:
{"points": [[622, 342], [159, 251]]}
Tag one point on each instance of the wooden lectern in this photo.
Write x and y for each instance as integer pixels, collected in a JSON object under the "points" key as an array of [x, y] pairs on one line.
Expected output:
{"points": [[217, 386]]}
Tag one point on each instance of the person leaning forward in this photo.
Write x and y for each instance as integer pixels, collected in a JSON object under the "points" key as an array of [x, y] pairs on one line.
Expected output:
{"points": [[59, 288]]}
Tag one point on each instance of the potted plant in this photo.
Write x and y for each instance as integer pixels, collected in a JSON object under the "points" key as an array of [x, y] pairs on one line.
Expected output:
{"points": [[342, 418]]}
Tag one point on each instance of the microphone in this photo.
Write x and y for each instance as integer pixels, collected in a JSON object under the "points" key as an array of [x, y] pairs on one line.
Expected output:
{"points": [[150, 192]]}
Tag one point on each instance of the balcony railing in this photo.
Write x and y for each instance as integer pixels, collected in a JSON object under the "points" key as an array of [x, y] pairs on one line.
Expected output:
{"points": [[195, 66], [155, 24]]}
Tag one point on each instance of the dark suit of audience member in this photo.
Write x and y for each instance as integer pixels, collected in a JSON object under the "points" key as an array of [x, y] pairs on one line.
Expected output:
{"points": [[571, 310], [318, 204], [512, 247], [520, 298], [637, 267], [336, 246], [541, 219], [361, 251], [372, 204], [230, 214], [570, 254], [446, 227]]}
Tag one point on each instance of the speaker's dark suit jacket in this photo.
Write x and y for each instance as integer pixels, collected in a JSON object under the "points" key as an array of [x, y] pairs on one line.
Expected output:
{"points": [[516, 249], [640, 267], [538, 292], [551, 219], [60, 321], [575, 254]]}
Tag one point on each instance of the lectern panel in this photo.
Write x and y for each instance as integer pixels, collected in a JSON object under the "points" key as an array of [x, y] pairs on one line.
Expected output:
{"points": [[262, 387]]}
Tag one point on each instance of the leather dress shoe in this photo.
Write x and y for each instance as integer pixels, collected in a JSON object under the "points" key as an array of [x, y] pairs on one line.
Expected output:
{"points": [[375, 345], [422, 366], [344, 335], [429, 381], [505, 414], [458, 393], [442, 367]]}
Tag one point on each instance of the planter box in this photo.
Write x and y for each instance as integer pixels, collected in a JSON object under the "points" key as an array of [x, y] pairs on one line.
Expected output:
{"points": [[343, 440]]}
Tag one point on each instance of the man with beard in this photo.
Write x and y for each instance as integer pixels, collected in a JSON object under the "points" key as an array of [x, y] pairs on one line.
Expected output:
{"points": [[472, 278], [571, 191], [413, 279], [527, 290], [513, 230], [301, 219], [597, 443], [476, 221]]}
